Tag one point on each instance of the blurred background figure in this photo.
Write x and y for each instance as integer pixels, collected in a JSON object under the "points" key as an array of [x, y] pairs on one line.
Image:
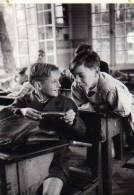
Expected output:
{"points": [[21, 76], [41, 56], [17, 82]]}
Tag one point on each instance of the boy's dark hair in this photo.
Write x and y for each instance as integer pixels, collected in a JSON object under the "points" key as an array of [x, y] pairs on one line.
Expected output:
{"points": [[87, 57], [40, 71], [82, 47]]}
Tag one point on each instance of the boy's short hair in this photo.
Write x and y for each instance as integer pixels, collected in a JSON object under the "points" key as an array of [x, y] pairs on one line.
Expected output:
{"points": [[86, 57], [82, 47], [40, 71]]}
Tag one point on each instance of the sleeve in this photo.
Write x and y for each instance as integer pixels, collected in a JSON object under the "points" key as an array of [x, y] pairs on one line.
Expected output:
{"points": [[26, 88], [120, 100], [77, 95], [18, 104], [78, 125]]}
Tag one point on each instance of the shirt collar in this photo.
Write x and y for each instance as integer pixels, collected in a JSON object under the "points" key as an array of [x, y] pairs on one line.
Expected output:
{"points": [[40, 97]]}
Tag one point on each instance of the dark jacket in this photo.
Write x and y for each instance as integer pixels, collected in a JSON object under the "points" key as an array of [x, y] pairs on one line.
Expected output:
{"points": [[54, 104]]}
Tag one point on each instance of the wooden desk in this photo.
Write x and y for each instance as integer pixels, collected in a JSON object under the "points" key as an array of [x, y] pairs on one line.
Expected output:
{"points": [[22, 172], [5, 100], [110, 125]]}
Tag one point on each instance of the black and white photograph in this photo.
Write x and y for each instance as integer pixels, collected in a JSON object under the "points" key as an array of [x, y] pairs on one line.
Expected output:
{"points": [[66, 98]]}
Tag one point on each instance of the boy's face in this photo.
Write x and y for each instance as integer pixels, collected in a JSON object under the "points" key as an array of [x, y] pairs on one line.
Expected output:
{"points": [[50, 86], [86, 77]]}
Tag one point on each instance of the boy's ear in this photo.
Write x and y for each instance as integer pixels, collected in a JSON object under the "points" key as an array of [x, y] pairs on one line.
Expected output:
{"points": [[37, 85]]}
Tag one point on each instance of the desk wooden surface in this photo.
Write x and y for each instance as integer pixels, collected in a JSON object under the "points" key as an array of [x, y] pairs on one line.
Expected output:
{"points": [[6, 100], [111, 126], [31, 151]]}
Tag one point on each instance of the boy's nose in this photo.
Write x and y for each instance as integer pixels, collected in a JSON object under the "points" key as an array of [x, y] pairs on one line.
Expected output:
{"points": [[58, 84]]}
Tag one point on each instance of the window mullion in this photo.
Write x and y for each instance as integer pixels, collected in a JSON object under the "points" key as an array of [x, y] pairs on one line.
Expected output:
{"points": [[112, 34]]}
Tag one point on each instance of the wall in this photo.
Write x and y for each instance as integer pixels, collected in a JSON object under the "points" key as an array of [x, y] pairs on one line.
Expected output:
{"points": [[80, 23]]}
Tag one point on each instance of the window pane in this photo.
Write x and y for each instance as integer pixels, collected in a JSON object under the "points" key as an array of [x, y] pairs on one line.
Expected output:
{"points": [[62, 34], [22, 32], [120, 6], [19, 6], [40, 7], [20, 17], [33, 59], [96, 8], [59, 20], [33, 48], [50, 59], [42, 45], [96, 19], [48, 18], [63, 44], [49, 33], [31, 16], [130, 56], [130, 15], [101, 45], [40, 19], [23, 48], [105, 56], [31, 35], [96, 32], [41, 31], [24, 61], [130, 29], [96, 45], [59, 11], [130, 5], [105, 45], [47, 6], [119, 16], [105, 18], [120, 57], [119, 30], [104, 7], [120, 44], [105, 31], [130, 43], [29, 5], [50, 47]]}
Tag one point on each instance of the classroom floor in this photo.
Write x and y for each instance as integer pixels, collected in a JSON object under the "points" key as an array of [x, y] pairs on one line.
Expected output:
{"points": [[123, 180]]}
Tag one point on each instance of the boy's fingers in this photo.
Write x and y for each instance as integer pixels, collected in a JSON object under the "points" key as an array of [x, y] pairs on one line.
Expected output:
{"points": [[37, 112], [33, 115], [70, 115]]}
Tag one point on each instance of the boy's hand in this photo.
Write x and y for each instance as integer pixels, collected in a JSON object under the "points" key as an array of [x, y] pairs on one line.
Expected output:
{"points": [[69, 117], [87, 107], [31, 113]]}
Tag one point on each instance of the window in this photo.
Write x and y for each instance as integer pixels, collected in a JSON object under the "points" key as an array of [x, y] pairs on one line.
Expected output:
{"points": [[113, 35], [27, 36], [124, 34], [46, 31], [100, 30], [62, 28]]}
